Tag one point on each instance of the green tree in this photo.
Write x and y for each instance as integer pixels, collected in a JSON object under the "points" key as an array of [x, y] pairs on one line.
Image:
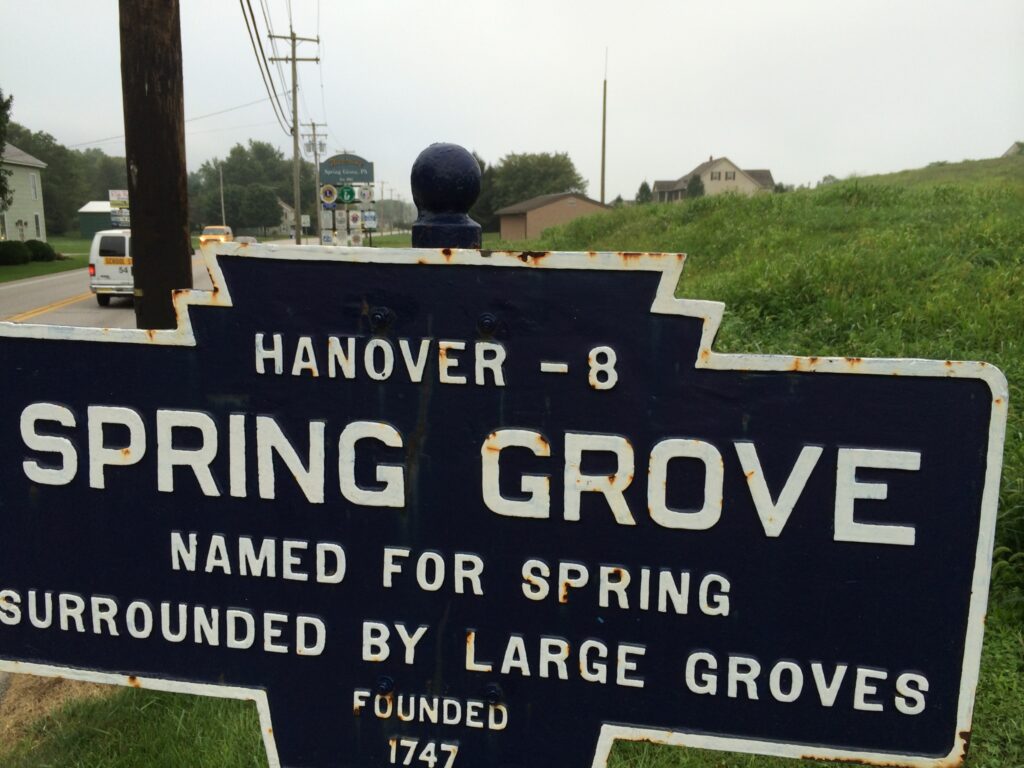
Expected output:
{"points": [[618, 202], [518, 177], [101, 173], [695, 187], [482, 211], [259, 207], [643, 195], [5, 117], [62, 179], [258, 163]]}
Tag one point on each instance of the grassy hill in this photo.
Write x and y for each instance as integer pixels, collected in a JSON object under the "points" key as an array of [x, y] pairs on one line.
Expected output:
{"points": [[994, 172]]}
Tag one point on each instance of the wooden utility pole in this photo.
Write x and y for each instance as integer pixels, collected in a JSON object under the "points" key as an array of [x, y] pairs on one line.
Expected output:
{"points": [[316, 163], [154, 128], [296, 158]]}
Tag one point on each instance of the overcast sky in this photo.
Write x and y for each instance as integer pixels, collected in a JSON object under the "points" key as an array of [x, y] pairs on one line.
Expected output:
{"points": [[801, 87]]}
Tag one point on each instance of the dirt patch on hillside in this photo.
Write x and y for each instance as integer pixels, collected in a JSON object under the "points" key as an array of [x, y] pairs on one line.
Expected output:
{"points": [[29, 698]]}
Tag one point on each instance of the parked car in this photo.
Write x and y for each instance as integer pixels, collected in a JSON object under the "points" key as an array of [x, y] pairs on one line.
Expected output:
{"points": [[110, 265], [217, 234]]}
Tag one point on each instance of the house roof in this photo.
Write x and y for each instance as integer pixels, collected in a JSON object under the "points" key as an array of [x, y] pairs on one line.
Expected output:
{"points": [[664, 185], [14, 156], [540, 201], [762, 177], [96, 206]]}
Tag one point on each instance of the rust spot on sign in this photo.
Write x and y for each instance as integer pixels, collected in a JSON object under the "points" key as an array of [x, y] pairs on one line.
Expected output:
{"points": [[447, 253], [628, 256], [126, 452], [853, 362], [532, 256], [749, 474], [133, 681]]}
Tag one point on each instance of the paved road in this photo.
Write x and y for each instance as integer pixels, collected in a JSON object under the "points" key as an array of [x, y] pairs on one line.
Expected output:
{"points": [[65, 299]]}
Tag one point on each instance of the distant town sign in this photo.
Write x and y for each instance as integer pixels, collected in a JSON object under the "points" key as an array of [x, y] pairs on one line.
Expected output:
{"points": [[489, 509], [344, 169]]}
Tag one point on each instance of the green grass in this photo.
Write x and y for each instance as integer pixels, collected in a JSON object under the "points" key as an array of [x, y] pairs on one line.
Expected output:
{"points": [[923, 264], [996, 172], [143, 728], [69, 245], [37, 268]]}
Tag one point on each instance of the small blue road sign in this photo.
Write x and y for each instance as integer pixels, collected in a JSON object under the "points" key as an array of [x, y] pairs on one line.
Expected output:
{"points": [[471, 508]]}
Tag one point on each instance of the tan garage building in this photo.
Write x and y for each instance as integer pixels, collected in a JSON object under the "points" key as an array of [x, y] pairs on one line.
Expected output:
{"points": [[526, 220]]}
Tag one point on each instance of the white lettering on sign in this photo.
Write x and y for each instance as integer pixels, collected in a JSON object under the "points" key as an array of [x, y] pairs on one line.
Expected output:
{"points": [[305, 460], [421, 708], [773, 515], [868, 689], [300, 560], [378, 360], [557, 658], [617, 586], [102, 615], [431, 570]]}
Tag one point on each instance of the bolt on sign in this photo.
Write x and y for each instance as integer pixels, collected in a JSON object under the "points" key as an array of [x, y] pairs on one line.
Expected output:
{"points": [[474, 508]]}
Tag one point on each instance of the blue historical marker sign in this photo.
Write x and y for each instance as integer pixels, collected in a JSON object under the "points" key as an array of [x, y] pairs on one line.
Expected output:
{"points": [[460, 508]]}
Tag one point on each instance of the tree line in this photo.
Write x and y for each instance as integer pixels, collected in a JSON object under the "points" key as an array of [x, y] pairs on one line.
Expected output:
{"points": [[520, 176], [256, 176]]}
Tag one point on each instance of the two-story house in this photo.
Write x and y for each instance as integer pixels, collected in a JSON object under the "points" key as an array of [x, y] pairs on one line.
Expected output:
{"points": [[25, 218], [718, 175]]}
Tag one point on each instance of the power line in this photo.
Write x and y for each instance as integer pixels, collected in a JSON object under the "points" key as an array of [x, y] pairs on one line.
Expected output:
{"points": [[320, 68], [263, 55], [262, 63], [187, 120], [273, 41]]}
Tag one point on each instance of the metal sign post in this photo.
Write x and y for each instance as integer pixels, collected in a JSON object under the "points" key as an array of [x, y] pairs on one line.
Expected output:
{"points": [[471, 508]]}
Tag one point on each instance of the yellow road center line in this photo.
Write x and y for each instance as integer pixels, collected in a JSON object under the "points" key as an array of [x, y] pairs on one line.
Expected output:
{"points": [[22, 317]]}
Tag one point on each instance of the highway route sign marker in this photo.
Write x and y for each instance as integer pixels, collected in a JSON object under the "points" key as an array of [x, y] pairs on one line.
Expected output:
{"points": [[473, 508]]}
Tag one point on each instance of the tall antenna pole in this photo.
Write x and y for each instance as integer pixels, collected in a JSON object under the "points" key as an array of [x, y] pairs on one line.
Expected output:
{"points": [[295, 120], [604, 120]]}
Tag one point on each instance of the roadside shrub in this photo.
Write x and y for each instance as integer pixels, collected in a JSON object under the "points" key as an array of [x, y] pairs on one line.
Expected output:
{"points": [[14, 252], [41, 251]]}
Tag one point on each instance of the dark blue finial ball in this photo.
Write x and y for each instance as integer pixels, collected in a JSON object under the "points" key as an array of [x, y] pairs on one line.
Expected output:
{"points": [[445, 179]]}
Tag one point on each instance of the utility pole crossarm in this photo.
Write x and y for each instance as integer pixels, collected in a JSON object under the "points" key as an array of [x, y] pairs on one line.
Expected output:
{"points": [[296, 37]]}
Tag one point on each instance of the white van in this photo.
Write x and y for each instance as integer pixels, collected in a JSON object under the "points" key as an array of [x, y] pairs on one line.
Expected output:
{"points": [[110, 265]]}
